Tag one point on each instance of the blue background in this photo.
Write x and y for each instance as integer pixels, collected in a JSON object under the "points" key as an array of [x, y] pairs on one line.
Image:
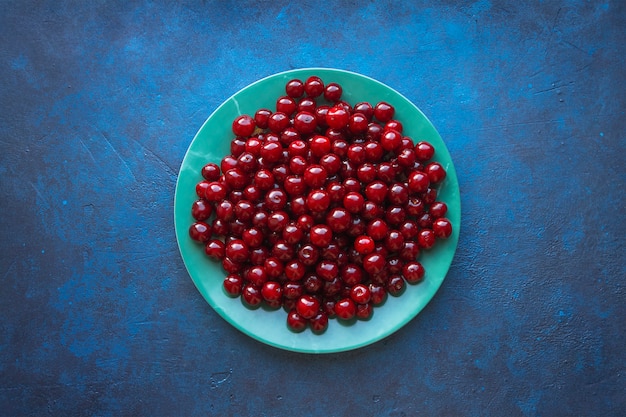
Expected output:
{"points": [[99, 102]]}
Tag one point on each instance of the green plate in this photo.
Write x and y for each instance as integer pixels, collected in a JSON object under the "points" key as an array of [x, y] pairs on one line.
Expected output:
{"points": [[212, 142]]}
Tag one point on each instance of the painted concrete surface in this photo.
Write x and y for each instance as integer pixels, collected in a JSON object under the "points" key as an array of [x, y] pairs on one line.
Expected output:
{"points": [[100, 101]]}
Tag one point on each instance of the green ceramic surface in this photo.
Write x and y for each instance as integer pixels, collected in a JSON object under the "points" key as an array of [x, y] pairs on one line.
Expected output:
{"points": [[212, 142]]}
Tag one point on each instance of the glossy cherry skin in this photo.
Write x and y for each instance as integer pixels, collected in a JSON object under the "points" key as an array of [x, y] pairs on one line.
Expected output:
{"points": [[294, 88], [243, 125], [321, 235], [345, 309], [296, 322], [442, 227], [413, 272], [308, 306], [233, 284], [200, 232], [384, 112]]}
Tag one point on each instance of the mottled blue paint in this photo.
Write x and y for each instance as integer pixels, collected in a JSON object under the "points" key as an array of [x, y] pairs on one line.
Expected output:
{"points": [[100, 102]]}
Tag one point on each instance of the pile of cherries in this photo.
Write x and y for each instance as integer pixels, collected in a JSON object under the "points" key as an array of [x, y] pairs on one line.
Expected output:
{"points": [[321, 208]]}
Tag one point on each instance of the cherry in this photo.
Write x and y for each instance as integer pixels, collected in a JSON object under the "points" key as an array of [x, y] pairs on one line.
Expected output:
{"points": [[366, 172], [391, 140], [393, 125], [426, 238], [252, 237], [237, 250], [337, 117], [332, 92], [295, 321], [357, 123], [243, 125], [308, 255], [320, 145], [201, 210], [294, 270], [418, 182], [215, 191], [211, 172], [378, 293], [364, 245], [384, 112], [305, 122], [293, 290], [278, 122], [373, 263], [338, 219], [424, 151], [314, 86], [345, 309], [364, 311], [256, 275], [371, 210], [413, 272], [360, 294], [307, 104], [294, 88], [276, 199], [442, 227], [251, 295], [200, 232], [261, 118], [327, 270], [436, 172], [321, 235], [319, 322], [272, 291], [394, 241], [365, 109], [215, 249], [438, 209], [233, 284], [376, 191], [377, 229], [292, 233], [320, 115], [331, 163], [308, 306], [286, 105], [315, 176], [353, 202]]}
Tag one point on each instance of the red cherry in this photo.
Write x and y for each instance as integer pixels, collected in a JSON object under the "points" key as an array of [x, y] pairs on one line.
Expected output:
{"points": [[295, 321], [360, 294], [337, 117], [442, 227], [345, 309], [436, 172], [413, 272], [243, 125], [364, 245], [308, 306], [200, 232], [294, 88], [305, 122], [272, 291], [233, 285], [384, 112], [319, 322], [314, 86], [332, 92]]}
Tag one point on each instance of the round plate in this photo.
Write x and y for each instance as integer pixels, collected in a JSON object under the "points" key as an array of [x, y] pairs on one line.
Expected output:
{"points": [[212, 143]]}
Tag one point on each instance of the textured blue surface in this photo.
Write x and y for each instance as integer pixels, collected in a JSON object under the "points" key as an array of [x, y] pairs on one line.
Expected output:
{"points": [[99, 101]]}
